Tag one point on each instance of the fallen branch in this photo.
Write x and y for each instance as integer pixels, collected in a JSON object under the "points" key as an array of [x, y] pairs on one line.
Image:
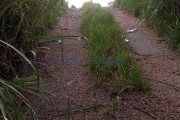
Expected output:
{"points": [[147, 102], [59, 113], [144, 111]]}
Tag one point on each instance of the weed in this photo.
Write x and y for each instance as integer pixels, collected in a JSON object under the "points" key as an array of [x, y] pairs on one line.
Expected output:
{"points": [[108, 49], [22, 23], [96, 105], [111, 110], [11, 89], [112, 107]]}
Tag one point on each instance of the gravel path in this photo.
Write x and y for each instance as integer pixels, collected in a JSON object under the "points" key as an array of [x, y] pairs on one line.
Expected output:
{"points": [[163, 69], [78, 84], [161, 102]]}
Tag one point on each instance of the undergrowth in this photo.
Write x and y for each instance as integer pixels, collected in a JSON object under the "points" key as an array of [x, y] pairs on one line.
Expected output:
{"points": [[109, 58], [163, 15], [22, 24]]}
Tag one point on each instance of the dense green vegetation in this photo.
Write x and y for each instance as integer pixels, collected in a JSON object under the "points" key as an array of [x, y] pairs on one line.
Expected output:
{"points": [[110, 60], [163, 15], [22, 24]]}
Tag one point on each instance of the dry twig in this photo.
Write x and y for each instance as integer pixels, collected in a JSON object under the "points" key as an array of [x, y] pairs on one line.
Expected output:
{"points": [[144, 111]]}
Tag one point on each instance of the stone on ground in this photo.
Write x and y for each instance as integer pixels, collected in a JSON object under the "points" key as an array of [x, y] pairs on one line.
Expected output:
{"points": [[140, 43]]}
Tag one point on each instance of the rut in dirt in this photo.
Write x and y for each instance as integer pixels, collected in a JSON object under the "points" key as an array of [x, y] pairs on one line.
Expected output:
{"points": [[75, 81]]}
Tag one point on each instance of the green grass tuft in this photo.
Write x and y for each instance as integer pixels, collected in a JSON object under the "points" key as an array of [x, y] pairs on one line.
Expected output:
{"points": [[109, 57]]}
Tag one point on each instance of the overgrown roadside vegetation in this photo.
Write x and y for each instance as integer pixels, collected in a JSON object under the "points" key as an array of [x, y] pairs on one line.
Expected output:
{"points": [[22, 23], [109, 58], [163, 15]]}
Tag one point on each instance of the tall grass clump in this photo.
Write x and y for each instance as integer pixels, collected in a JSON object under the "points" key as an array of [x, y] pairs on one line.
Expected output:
{"points": [[22, 23], [134, 7], [109, 59], [163, 15]]}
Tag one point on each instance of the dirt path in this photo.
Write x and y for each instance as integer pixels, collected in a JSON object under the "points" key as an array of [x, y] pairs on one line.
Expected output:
{"points": [[160, 102], [77, 81], [163, 69]]}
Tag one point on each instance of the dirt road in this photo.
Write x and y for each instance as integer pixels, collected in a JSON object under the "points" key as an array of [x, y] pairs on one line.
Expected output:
{"points": [[161, 102]]}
